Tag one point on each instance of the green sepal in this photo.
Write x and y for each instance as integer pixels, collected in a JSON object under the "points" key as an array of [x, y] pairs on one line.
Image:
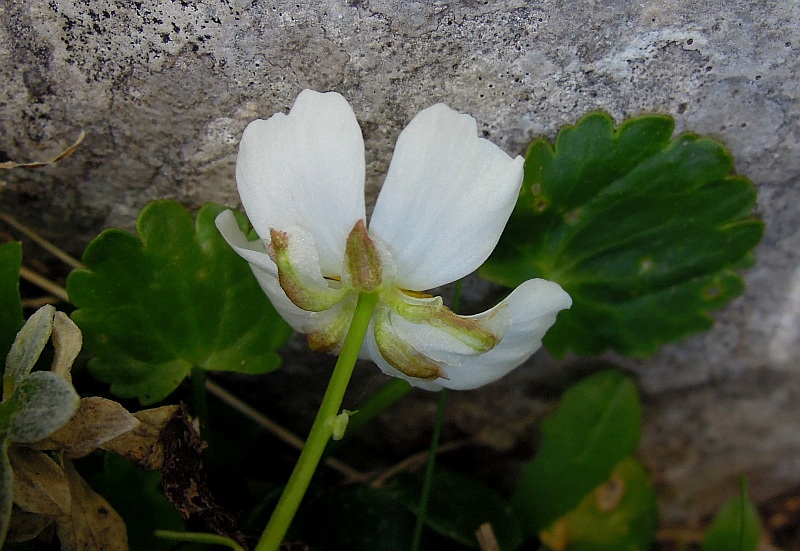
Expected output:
{"points": [[644, 232], [177, 296]]}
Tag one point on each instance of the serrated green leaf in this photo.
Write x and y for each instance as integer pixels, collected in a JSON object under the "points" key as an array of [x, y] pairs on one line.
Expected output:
{"points": [[597, 423], [27, 347], [736, 526], [6, 489], [151, 308], [44, 403], [11, 318], [457, 507], [645, 233], [620, 514]]}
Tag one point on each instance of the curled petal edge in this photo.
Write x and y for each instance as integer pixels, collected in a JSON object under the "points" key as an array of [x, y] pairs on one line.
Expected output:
{"points": [[531, 309], [254, 252], [299, 274]]}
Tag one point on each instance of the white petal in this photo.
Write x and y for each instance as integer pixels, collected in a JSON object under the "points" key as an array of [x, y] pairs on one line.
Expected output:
{"points": [[446, 199], [267, 275], [533, 307], [293, 315], [531, 310], [305, 168], [255, 252], [263, 268]]}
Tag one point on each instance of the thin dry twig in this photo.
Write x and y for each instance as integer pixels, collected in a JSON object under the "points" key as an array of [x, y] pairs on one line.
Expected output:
{"points": [[278, 431], [66, 153], [43, 283], [38, 302], [486, 539], [63, 256], [414, 462]]}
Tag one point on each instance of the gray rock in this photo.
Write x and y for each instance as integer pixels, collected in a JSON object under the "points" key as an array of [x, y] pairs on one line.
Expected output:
{"points": [[164, 90]]}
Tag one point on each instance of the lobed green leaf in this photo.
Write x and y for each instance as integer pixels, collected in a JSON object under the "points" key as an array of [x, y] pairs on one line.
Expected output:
{"points": [[596, 425], [643, 231], [177, 296]]}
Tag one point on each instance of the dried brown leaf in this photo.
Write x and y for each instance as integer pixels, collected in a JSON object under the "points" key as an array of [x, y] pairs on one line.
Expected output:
{"points": [[97, 421], [40, 485], [143, 444], [93, 525], [25, 526], [67, 342], [66, 153], [185, 484]]}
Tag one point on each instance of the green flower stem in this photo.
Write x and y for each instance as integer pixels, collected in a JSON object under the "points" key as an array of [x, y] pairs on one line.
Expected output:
{"points": [[321, 429], [373, 406], [388, 394], [198, 537], [426, 485]]}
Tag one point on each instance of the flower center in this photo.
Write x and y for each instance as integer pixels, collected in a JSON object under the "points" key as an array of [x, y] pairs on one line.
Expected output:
{"points": [[368, 268]]}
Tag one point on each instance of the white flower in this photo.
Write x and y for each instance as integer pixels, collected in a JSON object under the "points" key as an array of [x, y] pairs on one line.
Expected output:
{"points": [[445, 201]]}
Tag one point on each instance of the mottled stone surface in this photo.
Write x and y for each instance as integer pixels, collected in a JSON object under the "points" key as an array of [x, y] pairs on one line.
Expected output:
{"points": [[164, 90]]}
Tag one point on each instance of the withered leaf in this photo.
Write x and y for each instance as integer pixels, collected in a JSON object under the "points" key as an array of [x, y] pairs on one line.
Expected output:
{"points": [[92, 525], [27, 348], [486, 538], [25, 526], [97, 421], [185, 484], [40, 485], [66, 153], [67, 343], [44, 403], [142, 445]]}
